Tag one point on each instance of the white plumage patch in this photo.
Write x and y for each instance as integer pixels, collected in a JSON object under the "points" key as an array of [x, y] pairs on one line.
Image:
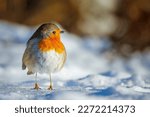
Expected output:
{"points": [[49, 62]]}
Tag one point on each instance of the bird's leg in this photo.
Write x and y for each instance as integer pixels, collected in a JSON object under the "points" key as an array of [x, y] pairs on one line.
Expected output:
{"points": [[36, 83], [50, 86]]}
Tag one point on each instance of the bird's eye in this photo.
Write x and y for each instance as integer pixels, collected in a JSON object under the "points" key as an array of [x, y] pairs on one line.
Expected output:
{"points": [[54, 32]]}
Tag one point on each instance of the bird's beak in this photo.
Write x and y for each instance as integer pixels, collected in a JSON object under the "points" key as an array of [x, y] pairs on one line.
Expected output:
{"points": [[62, 31]]}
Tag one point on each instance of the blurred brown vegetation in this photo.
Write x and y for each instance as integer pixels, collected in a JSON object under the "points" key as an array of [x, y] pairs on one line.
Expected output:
{"points": [[127, 22], [133, 32]]}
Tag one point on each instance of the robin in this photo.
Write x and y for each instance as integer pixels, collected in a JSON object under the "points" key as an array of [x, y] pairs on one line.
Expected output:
{"points": [[45, 53]]}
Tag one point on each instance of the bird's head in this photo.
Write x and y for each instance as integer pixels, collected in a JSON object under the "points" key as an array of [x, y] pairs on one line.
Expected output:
{"points": [[51, 30]]}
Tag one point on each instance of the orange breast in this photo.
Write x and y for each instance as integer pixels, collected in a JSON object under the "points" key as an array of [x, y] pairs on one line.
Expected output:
{"points": [[52, 43]]}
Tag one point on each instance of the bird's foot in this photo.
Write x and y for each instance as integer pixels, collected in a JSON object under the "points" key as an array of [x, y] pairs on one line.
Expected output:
{"points": [[50, 87], [36, 87]]}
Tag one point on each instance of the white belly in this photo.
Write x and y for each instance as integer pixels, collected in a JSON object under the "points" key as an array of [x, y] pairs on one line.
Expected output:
{"points": [[49, 62], [46, 62]]}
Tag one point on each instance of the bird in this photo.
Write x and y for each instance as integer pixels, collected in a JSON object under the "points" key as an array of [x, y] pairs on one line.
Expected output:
{"points": [[45, 52]]}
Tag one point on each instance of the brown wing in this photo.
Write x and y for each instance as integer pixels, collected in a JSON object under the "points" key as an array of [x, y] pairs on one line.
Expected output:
{"points": [[23, 65]]}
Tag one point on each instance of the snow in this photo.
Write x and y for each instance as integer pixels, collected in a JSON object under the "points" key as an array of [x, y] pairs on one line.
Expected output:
{"points": [[92, 71]]}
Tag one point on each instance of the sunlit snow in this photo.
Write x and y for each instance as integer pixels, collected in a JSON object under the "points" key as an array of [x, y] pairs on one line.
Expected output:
{"points": [[91, 70]]}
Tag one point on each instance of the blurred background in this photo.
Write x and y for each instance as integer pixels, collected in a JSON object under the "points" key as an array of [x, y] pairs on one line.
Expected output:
{"points": [[126, 22]]}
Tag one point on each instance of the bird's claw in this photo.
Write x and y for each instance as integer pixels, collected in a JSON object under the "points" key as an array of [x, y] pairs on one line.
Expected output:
{"points": [[50, 87], [36, 87]]}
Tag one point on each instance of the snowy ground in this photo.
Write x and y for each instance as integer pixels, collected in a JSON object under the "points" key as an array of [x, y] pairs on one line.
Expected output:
{"points": [[91, 70]]}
